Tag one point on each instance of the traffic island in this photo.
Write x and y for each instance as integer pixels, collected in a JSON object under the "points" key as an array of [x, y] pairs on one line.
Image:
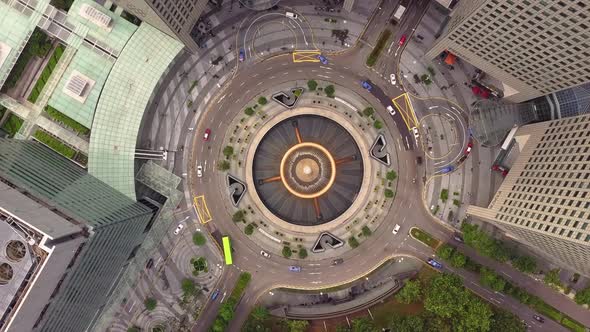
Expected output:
{"points": [[427, 239]]}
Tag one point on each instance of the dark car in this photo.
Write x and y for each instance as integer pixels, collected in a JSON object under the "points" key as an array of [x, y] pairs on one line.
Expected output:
{"points": [[434, 264], [149, 263], [323, 59], [447, 169], [337, 261], [242, 55], [215, 294], [367, 85], [419, 160], [458, 237], [539, 318]]}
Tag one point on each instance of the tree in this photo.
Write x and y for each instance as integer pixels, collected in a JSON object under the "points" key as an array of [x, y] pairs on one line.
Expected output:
{"points": [[262, 101], [249, 111], [312, 85], [188, 287], [476, 315], [352, 242], [249, 229], [391, 175], [489, 278], [287, 252], [411, 292], [552, 278], [378, 124], [483, 243], [583, 296], [329, 90], [413, 323], [368, 111], [302, 253], [388, 193], [366, 231], [458, 259], [525, 264], [444, 195], [238, 216], [150, 303], [228, 151], [260, 313], [218, 325], [223, 165], [363, 325], [445, 252], [297, 325], [199, 239], [505, 321], [226, 312]]}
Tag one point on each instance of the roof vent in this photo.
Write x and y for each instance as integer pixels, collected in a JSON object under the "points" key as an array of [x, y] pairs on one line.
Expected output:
{"points": [[78, 86], [96, 16]]}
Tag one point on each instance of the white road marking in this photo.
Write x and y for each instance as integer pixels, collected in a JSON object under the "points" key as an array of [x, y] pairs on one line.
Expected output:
{"points": [[314, 273], [286, 73], [255, 75], [257, 84], [326, 67], [220, 99], [219, 126], [242, 83], [300, 71], [324, 76], [269, 68], [272, 77]]}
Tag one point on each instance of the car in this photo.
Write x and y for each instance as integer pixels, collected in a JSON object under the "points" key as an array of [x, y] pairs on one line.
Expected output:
{"points": [[504, 172], [291, 15], [416, 133], [446, 169], [458, 237], [434, 263], [149, 263], [242, 55], [215, 294], [199, 171], [539, 318], [337, 261], [264, 254], [323, 59], [392, 79], [402, 40], [468, 149], [295, 268], [391, 110], [396, 229], [206, 134], [367, 85], [178, 229], [419, 160]]}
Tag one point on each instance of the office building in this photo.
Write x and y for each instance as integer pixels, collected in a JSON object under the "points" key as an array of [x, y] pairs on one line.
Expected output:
{"points": [[66, 240], [176, 18], [533, 47], [544, 201]]}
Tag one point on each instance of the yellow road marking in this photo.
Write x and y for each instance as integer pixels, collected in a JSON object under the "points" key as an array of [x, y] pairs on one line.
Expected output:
{"points": [[202, 210], [306, 56]]}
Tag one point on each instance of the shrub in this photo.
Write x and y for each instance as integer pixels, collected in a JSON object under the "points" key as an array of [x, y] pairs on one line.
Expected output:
{"points": [[262, 101], [287, 252], [391, 175], [489, 278], [366, 231], [302, 253], [330, 90], [525, 264], [223, 165], [458, 259], [552, 278], [583, 296], [312, 85], [444, 195], [55, 144], [456, 202], [410, 293], [379, 46], [388, 193], [368, 111], [249, 111], [445, 251], [66, 121], [249, 229], [353, 242], [150, 303], [199, 239], [377, 124], [298, 92]]}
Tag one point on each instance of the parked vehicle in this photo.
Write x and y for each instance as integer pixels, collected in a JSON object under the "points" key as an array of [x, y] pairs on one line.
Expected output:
{"points": [[416, 133], [149, 263], [178, 229]]}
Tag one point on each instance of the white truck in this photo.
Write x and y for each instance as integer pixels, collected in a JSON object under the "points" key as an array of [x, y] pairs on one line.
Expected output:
{"points": [[399, 12]]}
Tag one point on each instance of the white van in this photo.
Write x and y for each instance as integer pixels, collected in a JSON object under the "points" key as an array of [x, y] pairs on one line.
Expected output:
{"points": [[291, 15]]}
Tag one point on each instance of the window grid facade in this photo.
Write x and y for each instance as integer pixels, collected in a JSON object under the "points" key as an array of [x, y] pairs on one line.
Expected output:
{"points": [[545, 199], [544, 45]]}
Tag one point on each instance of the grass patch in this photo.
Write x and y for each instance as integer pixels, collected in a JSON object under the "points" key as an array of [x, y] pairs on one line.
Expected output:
{"points": [[572, 325], [12, 125], [55, 144], [66, 120], [424, 237], [381, 42], [46, 74]]}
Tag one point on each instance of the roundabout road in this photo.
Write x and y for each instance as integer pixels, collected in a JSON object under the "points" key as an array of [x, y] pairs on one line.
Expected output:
{"points": [[407, 209]]}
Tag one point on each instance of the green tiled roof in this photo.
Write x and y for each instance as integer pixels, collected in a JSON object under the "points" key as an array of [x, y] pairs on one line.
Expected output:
{"points": [[122, 103]]}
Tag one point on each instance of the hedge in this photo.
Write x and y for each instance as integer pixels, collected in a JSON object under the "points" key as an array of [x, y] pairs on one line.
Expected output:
{"points": [[46, 74], [55, 144], [381, 42], [66, 120], [12, 125]]}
